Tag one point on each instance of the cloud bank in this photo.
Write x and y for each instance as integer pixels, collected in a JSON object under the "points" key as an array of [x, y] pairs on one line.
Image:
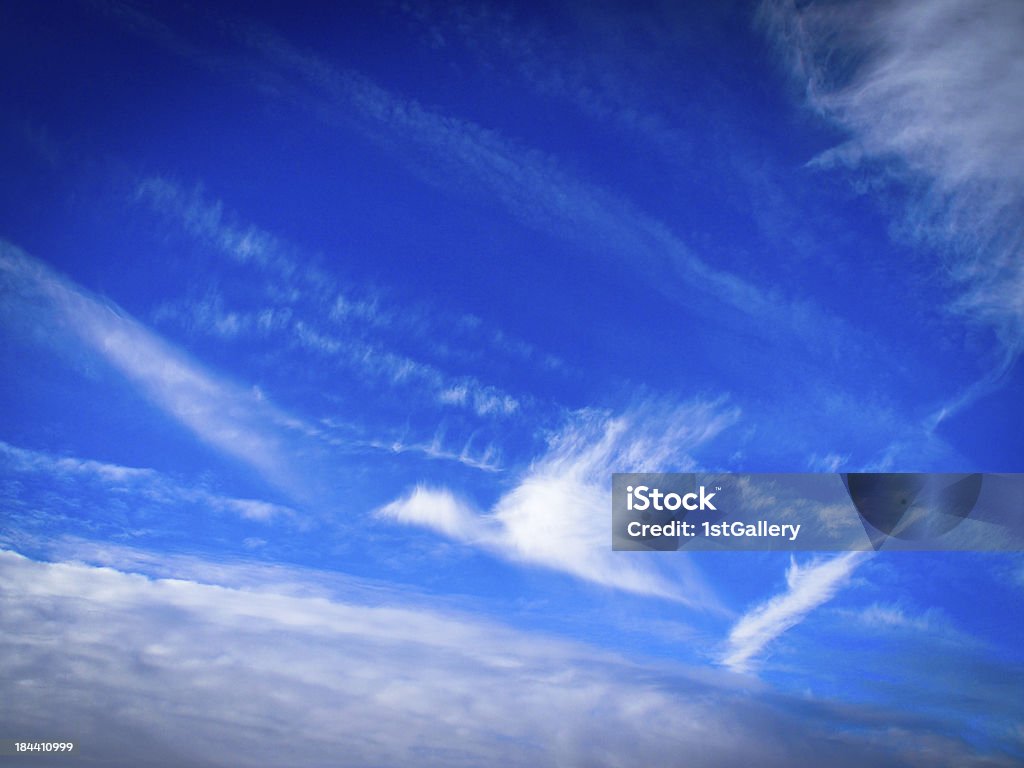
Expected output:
{"points": [[173, 672]]}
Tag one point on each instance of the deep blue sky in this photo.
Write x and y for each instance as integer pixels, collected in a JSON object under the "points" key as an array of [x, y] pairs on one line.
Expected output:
{"points": [[324, 330]]}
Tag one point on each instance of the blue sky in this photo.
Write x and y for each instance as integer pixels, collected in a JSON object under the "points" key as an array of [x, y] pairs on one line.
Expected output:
{"points": [[324, 331]]}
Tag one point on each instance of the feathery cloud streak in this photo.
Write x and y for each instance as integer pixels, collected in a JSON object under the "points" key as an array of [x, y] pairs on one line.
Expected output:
{"points": [[807, 587], [312, 309], [528, 183], [931, 90], [225, 415], [141, 482]]}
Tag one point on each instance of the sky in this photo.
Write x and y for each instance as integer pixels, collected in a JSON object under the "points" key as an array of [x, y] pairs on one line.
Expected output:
{"points": [[323, 331]]}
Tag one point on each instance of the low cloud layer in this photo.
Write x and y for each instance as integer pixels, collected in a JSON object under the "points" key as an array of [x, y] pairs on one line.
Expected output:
{"points": [[171, 671]]}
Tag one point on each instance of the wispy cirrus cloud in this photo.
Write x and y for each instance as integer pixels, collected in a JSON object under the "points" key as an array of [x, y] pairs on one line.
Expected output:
{"points": [[928, 95], [289, 676], [528, 183], [807, 587], [229, 417], [315, 312], [556, 514], [369, 360], [600, 74], [240, 422], [532, 187], [380, 363], [896, 618], [139, 482], [486, 458]]}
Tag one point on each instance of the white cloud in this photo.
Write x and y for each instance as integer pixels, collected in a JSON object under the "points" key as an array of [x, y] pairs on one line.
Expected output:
{"points": [[930, 90], [440, 509], [239, 421], [207, 220], [317, 314], [599, 73], [830, 462], [528, 183], [556, 516], [381, 364], [170, 671], [807, 587], [147, 483], [931, 624], [879, 615], [223, 414], [486, 458]]}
